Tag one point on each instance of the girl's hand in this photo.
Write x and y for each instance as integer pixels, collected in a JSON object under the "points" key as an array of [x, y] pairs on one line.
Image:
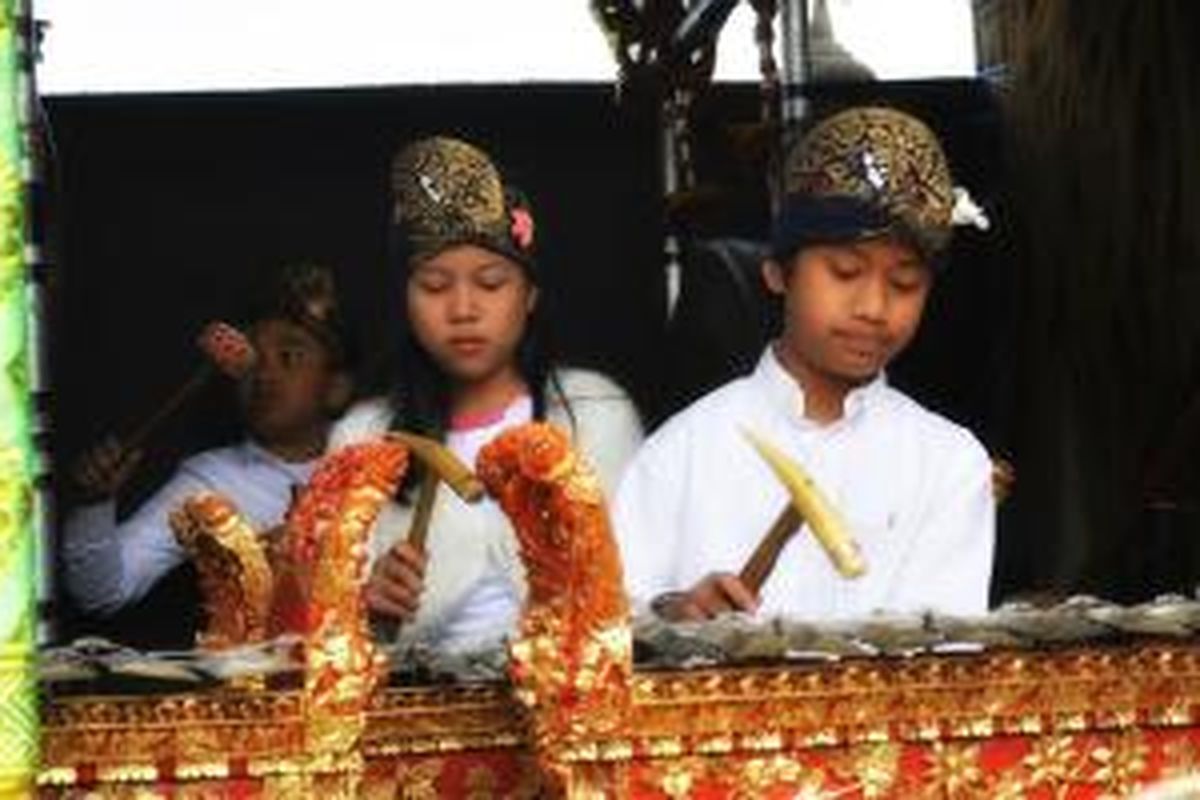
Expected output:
{"points": [[394, 588]]}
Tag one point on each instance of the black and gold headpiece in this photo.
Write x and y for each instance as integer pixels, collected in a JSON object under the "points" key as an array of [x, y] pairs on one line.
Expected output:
{"points": [[447, 192], [305, 293], [867, 172]]}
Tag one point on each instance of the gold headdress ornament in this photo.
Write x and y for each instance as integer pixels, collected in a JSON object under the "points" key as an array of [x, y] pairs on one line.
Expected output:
{"points": [[448, 192], [868, 171]]}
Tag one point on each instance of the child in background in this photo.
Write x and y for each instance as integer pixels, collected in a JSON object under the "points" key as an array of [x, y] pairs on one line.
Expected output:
{"points": [[300, 383]]}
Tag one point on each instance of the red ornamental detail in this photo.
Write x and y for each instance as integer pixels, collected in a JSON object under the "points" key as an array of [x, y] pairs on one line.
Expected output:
{"points": [[522, 228]]}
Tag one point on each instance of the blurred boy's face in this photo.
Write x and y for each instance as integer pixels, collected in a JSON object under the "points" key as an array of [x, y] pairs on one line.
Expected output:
{"points": [[294, 389], [468, 308], [849, 308]]}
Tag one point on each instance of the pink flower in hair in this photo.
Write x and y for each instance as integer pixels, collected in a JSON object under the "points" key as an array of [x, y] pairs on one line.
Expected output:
{"points": [[522, 228]]}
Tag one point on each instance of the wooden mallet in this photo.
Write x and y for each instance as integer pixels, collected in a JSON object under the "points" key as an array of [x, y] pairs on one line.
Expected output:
{"points": [[227, 351], [806, 503], [441, 466]]}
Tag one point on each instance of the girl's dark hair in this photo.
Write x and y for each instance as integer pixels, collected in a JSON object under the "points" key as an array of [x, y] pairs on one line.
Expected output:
{"points": [[418, 390]]}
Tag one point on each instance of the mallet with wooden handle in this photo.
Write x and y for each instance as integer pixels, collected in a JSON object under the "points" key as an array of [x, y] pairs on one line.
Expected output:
{"points": [[806, 503], [227, 351], [441, 466]]}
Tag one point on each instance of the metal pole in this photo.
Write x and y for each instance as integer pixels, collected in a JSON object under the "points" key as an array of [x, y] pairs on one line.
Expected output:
{"points": [[797, 61], [677, 177], [793, 107], [669, 155], [39, 271]]}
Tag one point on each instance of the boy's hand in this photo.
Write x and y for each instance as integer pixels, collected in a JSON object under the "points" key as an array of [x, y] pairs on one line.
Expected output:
{"points": [[716, 594], [394, 588], [100, 472]]}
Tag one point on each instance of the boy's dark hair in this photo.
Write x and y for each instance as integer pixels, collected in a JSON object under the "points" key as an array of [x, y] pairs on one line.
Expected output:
{"points": [[305, 294]]}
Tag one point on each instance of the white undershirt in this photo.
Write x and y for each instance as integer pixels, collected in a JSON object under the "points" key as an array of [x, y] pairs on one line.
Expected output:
{"points": [[493, 602]]}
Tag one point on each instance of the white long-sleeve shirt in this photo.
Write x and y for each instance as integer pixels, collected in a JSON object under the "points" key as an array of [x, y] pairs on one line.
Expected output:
{"points": [[474, 581], [914, 488], [111, 564]]}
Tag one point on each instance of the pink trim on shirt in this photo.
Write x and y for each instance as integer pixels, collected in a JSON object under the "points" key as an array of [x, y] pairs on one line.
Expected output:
{"points": [[481, 419]]}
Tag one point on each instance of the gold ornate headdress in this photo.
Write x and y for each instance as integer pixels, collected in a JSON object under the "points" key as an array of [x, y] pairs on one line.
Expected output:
{"points": [[870, 171], [448, 192]]}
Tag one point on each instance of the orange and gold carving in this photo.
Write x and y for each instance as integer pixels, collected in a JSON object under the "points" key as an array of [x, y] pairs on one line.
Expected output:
{"points": [[235, 578], [1077, 723], [325, 534], [315, 586], [1181, 757], [190, 728], [1096, 765], [464, 776], [925, 698], [572, 659], [325, 550], [445, 719]]}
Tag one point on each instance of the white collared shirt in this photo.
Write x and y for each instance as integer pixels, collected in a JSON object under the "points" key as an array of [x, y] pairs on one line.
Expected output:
{"points": [[914, 488], [110, 565]]}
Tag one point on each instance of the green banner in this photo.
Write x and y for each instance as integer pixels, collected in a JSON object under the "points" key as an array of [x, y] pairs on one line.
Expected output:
{"points": [[18, 684]]}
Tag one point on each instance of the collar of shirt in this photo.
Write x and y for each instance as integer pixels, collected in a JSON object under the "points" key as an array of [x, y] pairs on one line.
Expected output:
{"points": [[787, 395], [467, 442], [517, 411], [300, 471]]}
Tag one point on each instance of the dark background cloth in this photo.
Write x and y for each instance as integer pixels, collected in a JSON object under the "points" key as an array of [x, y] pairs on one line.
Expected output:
{"points": [[167, 210]]}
